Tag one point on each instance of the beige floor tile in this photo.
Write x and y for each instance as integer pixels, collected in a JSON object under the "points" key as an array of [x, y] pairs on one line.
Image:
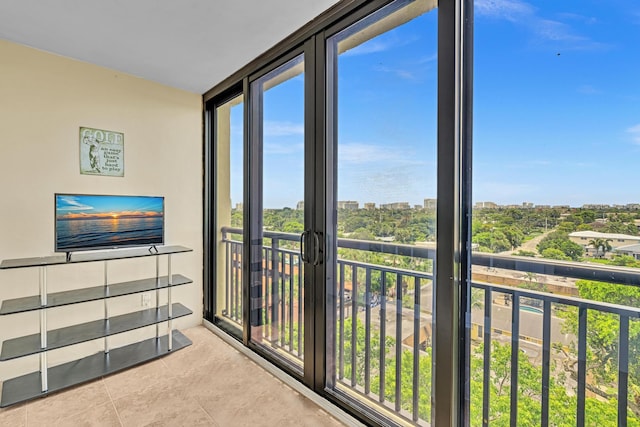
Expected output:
{"points": [[159, 406], [206, 384], [14, 416], [248, 395], [54, 407], [138, 379], [203, 352], [227, 379], [98, 416], [264, 407]]}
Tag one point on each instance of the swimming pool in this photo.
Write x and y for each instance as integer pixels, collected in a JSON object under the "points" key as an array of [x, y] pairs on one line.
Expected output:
{"points": [[530, 309]]}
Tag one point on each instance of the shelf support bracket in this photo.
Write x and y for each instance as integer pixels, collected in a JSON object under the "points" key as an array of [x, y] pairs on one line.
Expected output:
{"points": [[106, 305], [169, 310], [157, 296], [44, 379]]}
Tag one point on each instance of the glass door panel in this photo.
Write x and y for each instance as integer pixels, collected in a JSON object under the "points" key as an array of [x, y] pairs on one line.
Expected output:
{"points": [[229, 194], [276, 287], [382, 85], [555, 335]]}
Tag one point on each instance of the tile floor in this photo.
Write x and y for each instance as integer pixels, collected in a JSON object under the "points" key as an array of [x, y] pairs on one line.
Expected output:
{"points": [[206, 384]]}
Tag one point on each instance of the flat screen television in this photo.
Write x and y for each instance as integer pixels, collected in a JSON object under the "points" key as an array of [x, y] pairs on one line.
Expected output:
{"points": [[89, 221]]}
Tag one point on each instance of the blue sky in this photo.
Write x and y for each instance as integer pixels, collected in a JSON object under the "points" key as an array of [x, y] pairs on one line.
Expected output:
{"points": [[557, 101], [556, 110]]}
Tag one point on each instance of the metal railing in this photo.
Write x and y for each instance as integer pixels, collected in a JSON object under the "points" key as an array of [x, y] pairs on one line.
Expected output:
{"points": [[384, 324], [282, 296]]}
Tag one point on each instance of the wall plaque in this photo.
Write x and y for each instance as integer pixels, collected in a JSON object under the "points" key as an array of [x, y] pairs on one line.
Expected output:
{"points": [[101, 152]]}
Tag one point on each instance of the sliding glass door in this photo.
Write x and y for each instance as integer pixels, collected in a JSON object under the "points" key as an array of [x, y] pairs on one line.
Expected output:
{"points": [[277, 212], [382, 84], [228, 188], [346, 253]]}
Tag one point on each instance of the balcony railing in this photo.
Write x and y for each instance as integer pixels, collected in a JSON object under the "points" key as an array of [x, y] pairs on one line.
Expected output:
{"points": [[282, 296], [383, 330]]}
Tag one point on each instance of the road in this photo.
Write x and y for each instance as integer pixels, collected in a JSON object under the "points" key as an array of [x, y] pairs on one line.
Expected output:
{"points": [[529, 245]]}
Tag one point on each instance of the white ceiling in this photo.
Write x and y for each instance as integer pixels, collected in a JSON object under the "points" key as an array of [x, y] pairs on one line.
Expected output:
{"points": [[187, 44]]}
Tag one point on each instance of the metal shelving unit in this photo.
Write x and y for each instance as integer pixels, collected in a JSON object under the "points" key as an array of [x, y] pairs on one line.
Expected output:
{"points": [[49, 379]]}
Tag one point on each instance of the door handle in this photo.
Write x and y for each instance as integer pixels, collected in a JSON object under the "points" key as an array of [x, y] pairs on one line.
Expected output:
{"points": [[316, 249], [303, 238], [304, 255]]}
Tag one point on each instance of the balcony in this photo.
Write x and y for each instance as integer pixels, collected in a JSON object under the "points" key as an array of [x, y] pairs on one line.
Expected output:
{"points": [[536, 357]]}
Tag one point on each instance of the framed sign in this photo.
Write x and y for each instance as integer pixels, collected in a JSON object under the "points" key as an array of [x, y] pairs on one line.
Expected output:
{"points": [[101, 152]]}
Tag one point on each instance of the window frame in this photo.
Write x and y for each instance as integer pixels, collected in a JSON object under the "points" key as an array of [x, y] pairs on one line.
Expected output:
{"points": [[454, 150]]}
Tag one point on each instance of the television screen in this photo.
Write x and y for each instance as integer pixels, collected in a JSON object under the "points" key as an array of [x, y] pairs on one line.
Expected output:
{"points": [[86, 222]]}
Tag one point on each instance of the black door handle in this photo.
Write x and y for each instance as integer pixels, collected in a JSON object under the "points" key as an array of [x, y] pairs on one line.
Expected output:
{"points": [[316, 249], [304, 255], [303, 238]]}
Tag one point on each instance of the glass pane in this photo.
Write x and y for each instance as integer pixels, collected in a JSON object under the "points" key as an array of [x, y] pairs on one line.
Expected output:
{"points": [[229, 196], [281, 293], [384, 104], [556, 248]]}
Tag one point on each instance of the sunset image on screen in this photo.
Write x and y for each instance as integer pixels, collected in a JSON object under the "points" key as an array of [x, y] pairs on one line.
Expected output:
{"points": [[97, 221]]}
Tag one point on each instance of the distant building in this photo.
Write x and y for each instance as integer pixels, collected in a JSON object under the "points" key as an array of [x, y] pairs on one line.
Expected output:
{"points": [[348, 204], [486, 205], [527, 205], [595, 206], [396, 205], [543, 206], [633, 206], [631, 250], [418, 207], [430, 204], [561, 207], [615, 240], [369, 205], [300, 205], [239, 206]]}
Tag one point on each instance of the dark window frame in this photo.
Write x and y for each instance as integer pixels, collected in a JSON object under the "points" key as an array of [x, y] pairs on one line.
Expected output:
{"points": [[455, 56]]}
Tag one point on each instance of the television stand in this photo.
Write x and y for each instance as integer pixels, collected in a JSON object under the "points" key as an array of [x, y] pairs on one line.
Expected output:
{"points": [[47, 379]]}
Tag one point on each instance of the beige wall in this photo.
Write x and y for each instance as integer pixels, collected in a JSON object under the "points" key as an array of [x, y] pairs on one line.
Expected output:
{"points": [[44, 100], [223, 192]]}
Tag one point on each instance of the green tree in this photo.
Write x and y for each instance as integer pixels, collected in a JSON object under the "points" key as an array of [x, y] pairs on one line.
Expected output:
{"points": [[621, 228], [602, 335], [236, 218], [362, 234], [292, 227], [492, 241], [625, 261], [514, 235], [404, 235], [360, 343], [553, 253], [602, 246], [562, 400], [567, 226], [406, 385], [584, 227], [588, 216], [525, 253], [560, 240]]}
